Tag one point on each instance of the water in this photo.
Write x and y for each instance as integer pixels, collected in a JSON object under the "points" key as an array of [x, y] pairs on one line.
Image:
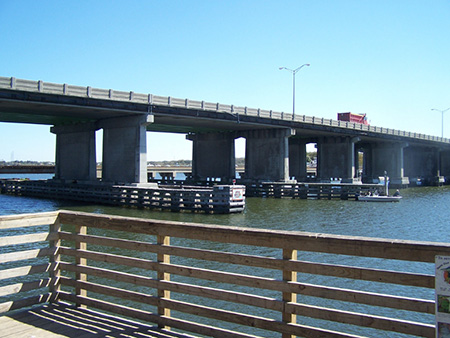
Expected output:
{"points": [[421, 215]]}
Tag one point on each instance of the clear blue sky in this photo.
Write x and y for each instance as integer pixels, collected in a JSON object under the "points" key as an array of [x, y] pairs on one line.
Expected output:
{"points": [[387, 59]]}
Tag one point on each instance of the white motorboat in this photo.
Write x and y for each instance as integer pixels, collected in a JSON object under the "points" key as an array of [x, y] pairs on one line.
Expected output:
{"points": [[375, 197], [379, 198]]}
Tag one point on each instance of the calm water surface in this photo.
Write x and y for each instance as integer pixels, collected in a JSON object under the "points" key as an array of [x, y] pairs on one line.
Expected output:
{"points": [[423, 214]]}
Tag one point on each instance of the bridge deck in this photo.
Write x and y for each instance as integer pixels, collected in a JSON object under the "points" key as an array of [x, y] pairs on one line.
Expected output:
{"points": [[60, 320]]}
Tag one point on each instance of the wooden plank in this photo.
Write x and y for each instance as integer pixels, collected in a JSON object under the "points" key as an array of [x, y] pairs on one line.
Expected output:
{"points": [[19, 304], [30, 238], [110, 258], [27, 220], [28, 254], [8, 290], [26, 270], [115, 242], [55, 258], [80, 260], [162, 275], [289, 297]]}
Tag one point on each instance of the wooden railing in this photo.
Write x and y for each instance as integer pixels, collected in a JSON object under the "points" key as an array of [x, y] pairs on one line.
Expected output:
{"points": [[27, 259], [150, 99], [221, 281]]}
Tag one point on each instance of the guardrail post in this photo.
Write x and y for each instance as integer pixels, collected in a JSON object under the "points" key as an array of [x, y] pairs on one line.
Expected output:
{"points": [[80, 245], [54, 259], [163, 276], [288, 297]]}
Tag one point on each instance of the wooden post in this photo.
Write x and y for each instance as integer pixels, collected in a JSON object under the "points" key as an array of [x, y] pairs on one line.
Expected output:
{"points": [[163, 276], [54, 260], [80, 245], [288, 297]]}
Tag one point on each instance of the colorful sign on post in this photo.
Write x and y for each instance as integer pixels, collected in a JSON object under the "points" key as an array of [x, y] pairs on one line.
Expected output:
{"points": [[442, 296]]}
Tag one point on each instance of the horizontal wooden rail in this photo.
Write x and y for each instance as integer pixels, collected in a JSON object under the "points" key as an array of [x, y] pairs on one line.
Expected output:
{"points": [[223, 281]]}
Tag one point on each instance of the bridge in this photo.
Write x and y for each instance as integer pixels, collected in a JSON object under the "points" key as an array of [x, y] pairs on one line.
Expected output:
{"points": [[275, 141]]}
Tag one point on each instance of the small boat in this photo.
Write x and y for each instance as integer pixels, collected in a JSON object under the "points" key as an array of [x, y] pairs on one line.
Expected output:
{"points": [[379, 198]]}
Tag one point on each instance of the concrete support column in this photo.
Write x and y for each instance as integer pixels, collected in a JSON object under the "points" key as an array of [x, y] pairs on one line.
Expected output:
{"points": [[297, 159], [125, 149], [267, 155], [389, 157], [445, 164], [336, 158], [423, 163], [75, 158], [367, 174], [213, 156]]}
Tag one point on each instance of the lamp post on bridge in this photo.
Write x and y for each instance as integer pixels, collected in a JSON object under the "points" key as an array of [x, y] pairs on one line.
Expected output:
{"points": [[442, 112], [294, 71]]}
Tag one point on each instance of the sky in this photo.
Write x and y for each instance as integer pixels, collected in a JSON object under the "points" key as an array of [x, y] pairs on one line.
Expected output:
{"points": [[387, 59]]}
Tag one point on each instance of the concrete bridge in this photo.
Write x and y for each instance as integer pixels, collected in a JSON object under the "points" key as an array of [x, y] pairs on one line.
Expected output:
{"points": [[275, 142]]}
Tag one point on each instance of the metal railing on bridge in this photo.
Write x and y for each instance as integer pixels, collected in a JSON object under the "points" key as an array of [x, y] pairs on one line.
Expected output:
{"points": [[150, 99]]}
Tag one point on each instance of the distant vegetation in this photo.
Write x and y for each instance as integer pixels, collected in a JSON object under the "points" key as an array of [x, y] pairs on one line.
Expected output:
{"points": [[311, 157], [26, 163]]}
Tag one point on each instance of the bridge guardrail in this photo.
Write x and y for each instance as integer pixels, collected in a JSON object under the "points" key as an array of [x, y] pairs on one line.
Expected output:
{"points": [[96, 93]]}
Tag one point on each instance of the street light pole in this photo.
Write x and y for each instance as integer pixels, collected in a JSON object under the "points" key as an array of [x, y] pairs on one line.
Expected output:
{"points": [[294, 71], [442, 122]]}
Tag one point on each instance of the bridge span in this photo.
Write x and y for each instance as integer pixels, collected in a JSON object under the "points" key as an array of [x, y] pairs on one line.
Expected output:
{"points": [[275, 141]]}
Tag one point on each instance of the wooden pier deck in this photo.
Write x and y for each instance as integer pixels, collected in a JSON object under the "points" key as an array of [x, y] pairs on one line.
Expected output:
{"points": [[63, 320]]}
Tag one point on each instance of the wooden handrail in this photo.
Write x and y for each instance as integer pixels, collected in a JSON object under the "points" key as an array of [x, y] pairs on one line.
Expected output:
{"points": [[241, 281]]}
